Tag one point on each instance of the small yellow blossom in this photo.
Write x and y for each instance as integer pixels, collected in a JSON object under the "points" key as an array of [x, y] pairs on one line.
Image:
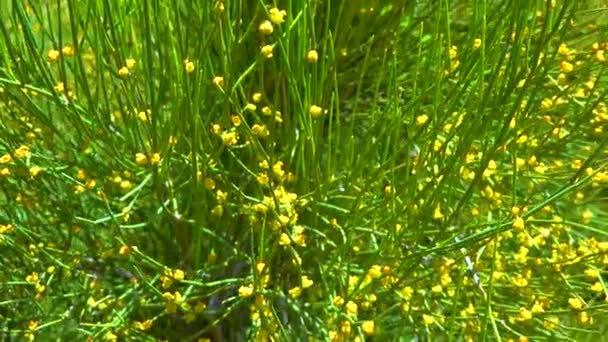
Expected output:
{"points": [[600, 55], [52, 55], [576, 303], [368, 327], [312, 56], [284, 239], [155, 159], [245, 291], [59, 88], [250, 107], [428, 319], [229, 138], [123, 72], [592, 273], [524, 314], [453, 52], [143, 326], [518, 223], [352, 308], [262, 178], [218, 81], [266, 111], [260, 131], [188, 66], [307, 282], [141, 159], [266, 27], [124, 250], [476, 43], [597, 287], [130, 63], [277, 169], [295, 292], [22, 152], [178, 275], [551, 323], [236, 120], [422, 119], [256, 97], [277, 16], [35, 170], [566, 67], [315, 111], [267, 51], [6, 158]]}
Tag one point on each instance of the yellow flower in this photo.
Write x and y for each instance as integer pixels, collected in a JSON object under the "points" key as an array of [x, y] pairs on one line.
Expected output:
{"points": [[551, 323], [218, 81], [563, 49], [124, 250], [315, 111], [5, 159], [262, 178], [52, 55], [375, 271], [284, 240], [143, 326], [35, 170], [32, 277], [59, 88], [22, 152], [236, 120], [267, 51], [266, 111], [266, 27], [306, 282], [566, 67], [428, 319], [256, 98], [277, 16], [352, 308], [518, 223], [576, 303], [295, 292], [368, 327], [188, 66], [312, 56], [123, 72], [229, 138], [453, 52], [524, 314], [476, 43], [592, 273], [422, 119], [597, 287], [141, 159], [178, 275], [130, 63], [277, 169], [245, 291], [250, 107], [260, 131], [155, 159], [600, 56]]}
